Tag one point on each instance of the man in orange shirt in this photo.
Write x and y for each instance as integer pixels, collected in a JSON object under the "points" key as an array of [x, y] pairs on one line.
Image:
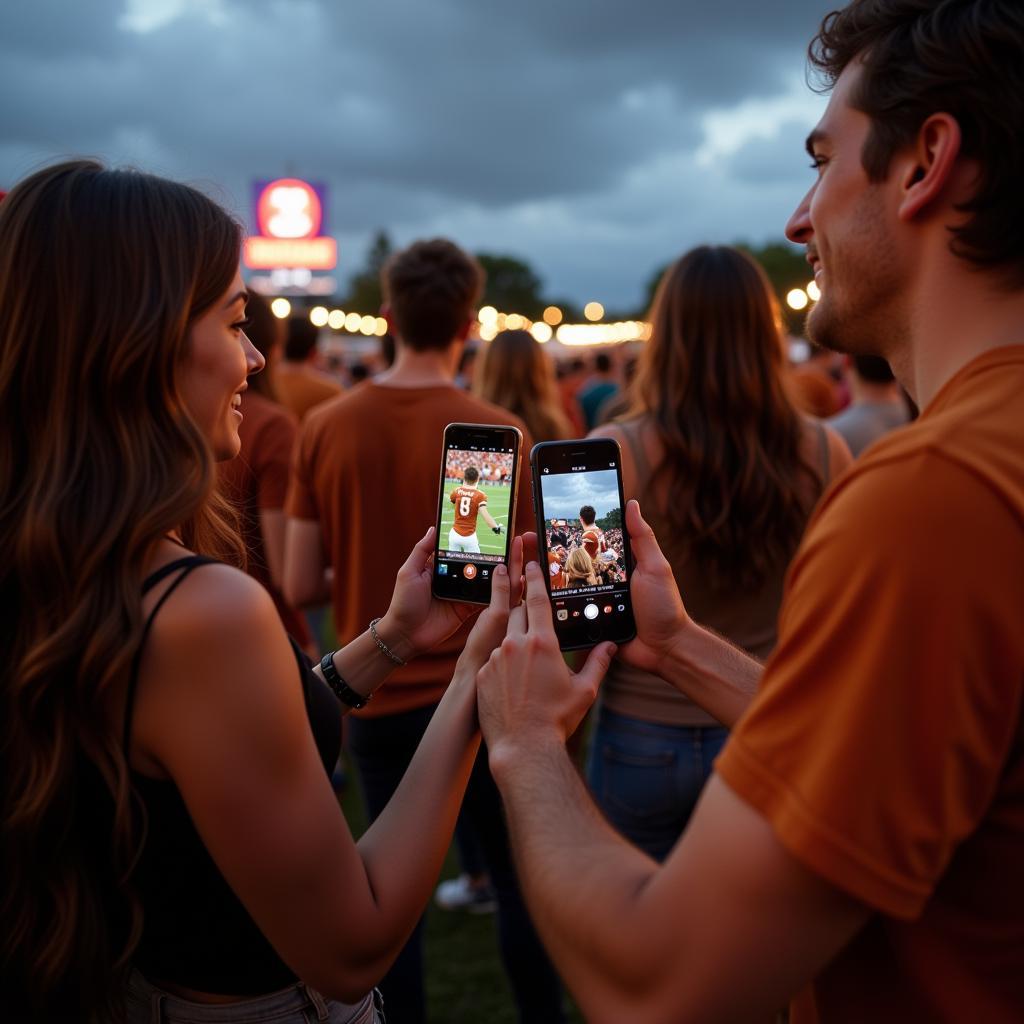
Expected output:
{"points": [[858, 848], [469, 502], [342, 513], [300, 385]]}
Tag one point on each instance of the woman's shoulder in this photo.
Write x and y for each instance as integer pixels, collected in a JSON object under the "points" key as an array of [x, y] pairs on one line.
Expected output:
{"points": [[202, 597]]}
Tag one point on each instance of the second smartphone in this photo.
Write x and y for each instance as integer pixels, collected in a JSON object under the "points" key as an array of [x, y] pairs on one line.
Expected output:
{"points": [[582, 540], [476, 509]]}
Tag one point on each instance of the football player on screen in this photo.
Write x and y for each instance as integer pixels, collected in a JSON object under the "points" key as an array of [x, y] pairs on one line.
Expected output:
{"points": [[469, 500]]}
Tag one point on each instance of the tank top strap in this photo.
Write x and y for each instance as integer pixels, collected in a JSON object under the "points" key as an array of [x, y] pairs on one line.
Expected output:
{"points": [[183, 566], [631, 431], [824, 455]]}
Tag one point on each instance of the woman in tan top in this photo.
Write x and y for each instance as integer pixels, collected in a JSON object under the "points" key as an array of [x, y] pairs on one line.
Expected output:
{"points": [[726, 471]]}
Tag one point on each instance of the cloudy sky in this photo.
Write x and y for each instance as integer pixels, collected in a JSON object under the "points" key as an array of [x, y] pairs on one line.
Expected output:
{"points": [[564, 494], [596, 139]]}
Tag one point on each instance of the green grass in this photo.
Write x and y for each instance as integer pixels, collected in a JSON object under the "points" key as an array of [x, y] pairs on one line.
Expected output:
{"points": [[498, 500], [465, 981]]}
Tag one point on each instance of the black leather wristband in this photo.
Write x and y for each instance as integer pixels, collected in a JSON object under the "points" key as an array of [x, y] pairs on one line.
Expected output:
{"points": [[338, 686]]}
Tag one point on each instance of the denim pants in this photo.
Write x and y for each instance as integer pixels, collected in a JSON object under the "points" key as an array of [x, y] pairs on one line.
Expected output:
{"points": [[647, 777], [297, 1004], [382, 749]]}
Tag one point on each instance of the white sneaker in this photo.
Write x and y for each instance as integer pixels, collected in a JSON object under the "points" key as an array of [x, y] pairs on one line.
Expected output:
{"points": [[460, 894]]}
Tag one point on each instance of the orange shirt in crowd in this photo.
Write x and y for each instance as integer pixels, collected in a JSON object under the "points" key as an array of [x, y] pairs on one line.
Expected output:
{"points": [[300, 387], [558, 581], [886, 746], [257, 480], [467, 501], [593, 542], [366, 468]]}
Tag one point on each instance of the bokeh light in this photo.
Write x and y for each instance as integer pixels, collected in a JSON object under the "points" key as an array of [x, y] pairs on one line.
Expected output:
{"points": [[281, 308], [318, 316], [797, 299], [593, 311]]}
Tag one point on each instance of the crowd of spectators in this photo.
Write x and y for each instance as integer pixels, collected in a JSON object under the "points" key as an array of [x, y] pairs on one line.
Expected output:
{"points": [[811, 754]]}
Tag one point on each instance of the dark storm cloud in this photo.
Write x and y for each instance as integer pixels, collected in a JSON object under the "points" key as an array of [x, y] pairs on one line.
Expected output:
{"points": [[538, 128]]}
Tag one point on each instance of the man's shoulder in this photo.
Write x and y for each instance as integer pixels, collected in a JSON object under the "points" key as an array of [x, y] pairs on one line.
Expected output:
{"points": [[913, 502]]}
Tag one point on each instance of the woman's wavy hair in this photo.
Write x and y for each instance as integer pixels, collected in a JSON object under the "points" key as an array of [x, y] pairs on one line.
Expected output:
{"points": [[102, 274], [711, 382], [580, 567], [517, 375]]}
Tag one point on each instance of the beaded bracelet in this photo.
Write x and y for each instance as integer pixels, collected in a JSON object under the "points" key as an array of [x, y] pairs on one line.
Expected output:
{"points": [[339, 687]]}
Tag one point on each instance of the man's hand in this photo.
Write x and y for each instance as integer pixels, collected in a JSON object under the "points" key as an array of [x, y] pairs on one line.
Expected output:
{"points": [[660, 616], [489, 629], [416, 621], [525, 692]]}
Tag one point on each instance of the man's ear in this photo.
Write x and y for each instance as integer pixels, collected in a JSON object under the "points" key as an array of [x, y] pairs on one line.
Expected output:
{"points": [[928, 168]]}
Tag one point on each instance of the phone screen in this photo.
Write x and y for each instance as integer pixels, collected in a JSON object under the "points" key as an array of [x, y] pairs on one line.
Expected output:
{"points": [[476, 509], [583, 541]]}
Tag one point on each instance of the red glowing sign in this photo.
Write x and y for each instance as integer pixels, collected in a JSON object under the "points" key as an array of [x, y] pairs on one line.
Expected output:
{"points": [[289, 217], [289, 208]]}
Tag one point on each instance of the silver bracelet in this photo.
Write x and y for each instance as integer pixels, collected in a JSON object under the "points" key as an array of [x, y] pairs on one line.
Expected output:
{"points": [[385, 650]]}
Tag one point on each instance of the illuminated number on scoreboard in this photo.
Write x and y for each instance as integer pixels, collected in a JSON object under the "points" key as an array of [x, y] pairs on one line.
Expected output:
{"points": [[465, 504]]}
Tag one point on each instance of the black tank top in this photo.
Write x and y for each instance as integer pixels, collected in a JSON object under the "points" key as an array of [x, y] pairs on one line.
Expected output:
{"points": [[196, 932]]}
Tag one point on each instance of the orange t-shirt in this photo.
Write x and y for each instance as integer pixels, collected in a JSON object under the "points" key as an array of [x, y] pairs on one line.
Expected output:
{"points": [[302, 387], [558, 581], [593, 542], [366, 468], [886, 747], [257, 479], [467, 501]]}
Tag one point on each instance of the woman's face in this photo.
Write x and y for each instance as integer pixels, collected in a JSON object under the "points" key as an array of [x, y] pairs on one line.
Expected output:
{"points": [[213, 376]]}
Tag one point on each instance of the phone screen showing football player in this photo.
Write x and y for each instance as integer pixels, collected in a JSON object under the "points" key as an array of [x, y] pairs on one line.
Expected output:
{"points": [[476, 509], [582, 541]]}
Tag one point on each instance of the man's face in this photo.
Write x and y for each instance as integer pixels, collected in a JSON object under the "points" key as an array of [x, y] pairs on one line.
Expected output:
{"points": [[848, 225]]}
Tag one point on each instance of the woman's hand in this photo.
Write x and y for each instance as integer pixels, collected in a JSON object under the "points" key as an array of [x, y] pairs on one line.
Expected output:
{"points": [[661, 619], [525, 691], [416, 621]]}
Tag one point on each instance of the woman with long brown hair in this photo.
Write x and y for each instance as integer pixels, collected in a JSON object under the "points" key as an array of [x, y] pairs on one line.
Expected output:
{"points": [[171, 846], [517, 375], [727, 472]]}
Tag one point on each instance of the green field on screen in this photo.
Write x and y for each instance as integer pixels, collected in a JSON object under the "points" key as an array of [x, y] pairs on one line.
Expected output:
{"points": [[498, 500]]}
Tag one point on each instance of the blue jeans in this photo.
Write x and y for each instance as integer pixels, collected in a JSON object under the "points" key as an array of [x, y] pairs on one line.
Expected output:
{"points": [[382, 749], [647, 777], [298, 1004]]}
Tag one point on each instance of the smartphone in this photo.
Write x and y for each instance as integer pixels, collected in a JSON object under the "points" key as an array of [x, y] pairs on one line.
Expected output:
{"points": [[476, 509], [582, 540]]}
